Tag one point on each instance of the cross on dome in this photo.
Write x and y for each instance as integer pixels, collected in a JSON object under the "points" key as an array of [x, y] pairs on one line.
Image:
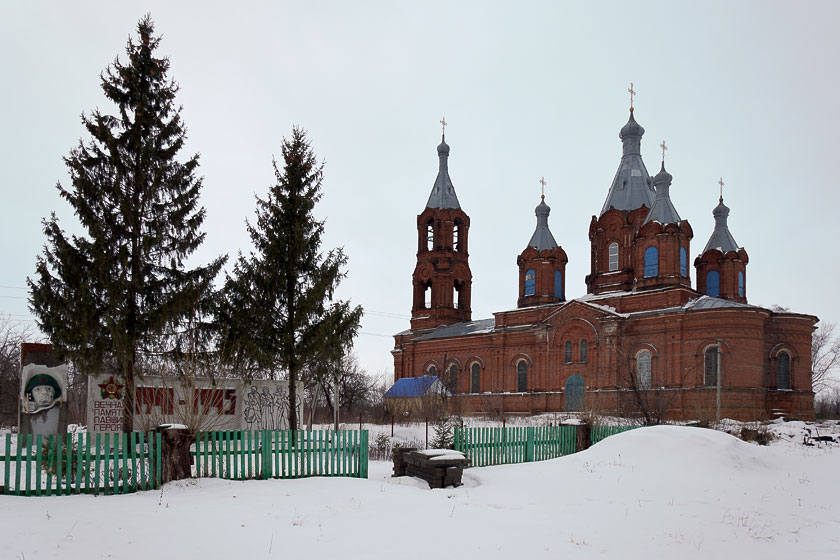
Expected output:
{"points": [[443, 125], [664, 147], [632, 93], [542, 184], [721, 183]]}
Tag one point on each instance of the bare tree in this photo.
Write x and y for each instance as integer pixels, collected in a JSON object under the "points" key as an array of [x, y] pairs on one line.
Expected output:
{"points": [[639, 397], [12, 334], [825, 355]]}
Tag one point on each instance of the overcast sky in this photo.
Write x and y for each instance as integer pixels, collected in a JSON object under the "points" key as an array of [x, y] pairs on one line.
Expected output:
{"points": [[746, 91]]}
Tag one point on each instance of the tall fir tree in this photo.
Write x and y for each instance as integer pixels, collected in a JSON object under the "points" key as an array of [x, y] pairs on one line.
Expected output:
{"points": [[279, 312], [103, 298]]}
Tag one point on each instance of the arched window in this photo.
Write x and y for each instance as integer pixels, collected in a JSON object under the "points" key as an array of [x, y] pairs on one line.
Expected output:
{"points": [[713, 283], [475, 378], [530, 282], [453, 379], [613, 254], [521, 377], [568, 359], [783, 370], [558, 284], [427, 296], [643, 369], [683, 262], [583, 351], [456, 236], [574, 393], [740, 283], [432, 371], [430, 236], [712, 366], [651, 262]]}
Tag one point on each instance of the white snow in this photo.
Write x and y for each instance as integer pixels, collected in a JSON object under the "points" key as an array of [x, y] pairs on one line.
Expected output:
{"points": [[667, 491]]}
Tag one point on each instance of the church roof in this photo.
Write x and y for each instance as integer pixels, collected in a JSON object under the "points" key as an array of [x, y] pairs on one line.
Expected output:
{"points": [[631, 188], [542, 238], [443, 193], [460, 329], [663, 210], [721, 238]]}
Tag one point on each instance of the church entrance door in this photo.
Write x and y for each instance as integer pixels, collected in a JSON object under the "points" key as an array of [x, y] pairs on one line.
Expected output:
{"points": [[574, 393]]}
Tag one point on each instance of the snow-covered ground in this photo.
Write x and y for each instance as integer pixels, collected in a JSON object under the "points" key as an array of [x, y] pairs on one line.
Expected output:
{"points": [[677, 491]]}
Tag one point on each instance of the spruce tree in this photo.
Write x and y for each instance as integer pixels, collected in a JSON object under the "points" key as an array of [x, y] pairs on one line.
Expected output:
{"points": [[279, 312], [103, 297]]}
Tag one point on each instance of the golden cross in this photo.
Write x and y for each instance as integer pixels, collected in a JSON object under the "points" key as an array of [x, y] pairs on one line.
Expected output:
{"points": [[543, 183], [443, 124], [632, 93], [721, 183], [664, 147]]}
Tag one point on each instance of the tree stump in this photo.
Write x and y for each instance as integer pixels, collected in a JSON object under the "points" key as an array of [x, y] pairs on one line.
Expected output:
{"points": [[176, 462]]}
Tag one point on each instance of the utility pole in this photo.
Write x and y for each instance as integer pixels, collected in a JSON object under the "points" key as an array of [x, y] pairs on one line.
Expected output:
{"points": [[336, 394]]}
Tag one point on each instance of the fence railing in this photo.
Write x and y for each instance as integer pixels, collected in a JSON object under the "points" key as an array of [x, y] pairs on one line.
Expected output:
{"points": [[80, 463], [247, 454], [498, 446]]}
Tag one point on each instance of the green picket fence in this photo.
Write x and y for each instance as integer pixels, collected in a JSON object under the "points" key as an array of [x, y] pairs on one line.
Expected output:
{"points": [[241, 455], [80, 464], [597, 433], [498, 446]]}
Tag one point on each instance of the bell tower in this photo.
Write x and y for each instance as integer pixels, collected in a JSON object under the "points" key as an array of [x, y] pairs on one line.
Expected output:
{"points": [[442, 279]]}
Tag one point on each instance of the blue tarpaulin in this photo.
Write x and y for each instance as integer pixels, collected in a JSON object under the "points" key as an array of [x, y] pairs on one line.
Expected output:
{"points": [[409, 387]]}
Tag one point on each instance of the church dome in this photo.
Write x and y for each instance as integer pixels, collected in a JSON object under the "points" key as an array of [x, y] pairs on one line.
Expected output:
{"points": [[632, 128], [663, 177], [443, 148]]}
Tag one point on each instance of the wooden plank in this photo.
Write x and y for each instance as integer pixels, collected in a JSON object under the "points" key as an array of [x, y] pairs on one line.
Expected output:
{"points": [[28, 461], [78, 451], [17, 467], [7, 462], [39, 439]]}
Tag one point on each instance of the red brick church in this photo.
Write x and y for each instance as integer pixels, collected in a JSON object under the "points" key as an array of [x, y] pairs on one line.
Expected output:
{"points": [[642, 341]]}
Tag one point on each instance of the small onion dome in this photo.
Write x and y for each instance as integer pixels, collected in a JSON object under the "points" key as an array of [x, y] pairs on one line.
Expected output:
{"points": [[542, 208], [663, 177], [632, 128], [443, 148]]}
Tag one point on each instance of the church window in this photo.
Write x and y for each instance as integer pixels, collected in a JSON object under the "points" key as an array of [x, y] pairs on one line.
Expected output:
{"points": [[530, 282], [651, 262], [713, 283], [574, 393], [558, 284], [583, 351], [521, 377], [568, 359], [427, 296], [475, 378], [430, 236], [740, 283], [712, 366], [453, 379], [613, 254], [783, 371], [456, 234], [643, 369], [683, 262], [432, 371]]}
